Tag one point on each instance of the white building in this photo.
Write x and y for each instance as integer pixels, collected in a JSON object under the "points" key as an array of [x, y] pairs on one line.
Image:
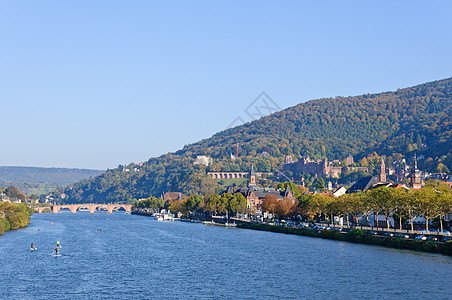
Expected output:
{"points": [[203, 160], [339, 191], [4, 198]]}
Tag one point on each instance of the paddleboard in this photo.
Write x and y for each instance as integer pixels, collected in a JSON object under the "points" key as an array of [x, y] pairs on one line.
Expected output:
{"points": [[33, 249], [54, 255]]}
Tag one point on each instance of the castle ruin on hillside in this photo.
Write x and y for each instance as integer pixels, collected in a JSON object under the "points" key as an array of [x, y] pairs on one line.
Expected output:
{"points": [[318, 168]]}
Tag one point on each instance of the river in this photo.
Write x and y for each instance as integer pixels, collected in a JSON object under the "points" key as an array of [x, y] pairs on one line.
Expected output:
{"points": [[119, 256]]}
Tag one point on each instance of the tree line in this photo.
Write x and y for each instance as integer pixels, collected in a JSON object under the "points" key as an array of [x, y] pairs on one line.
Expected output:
{"points": [[14, 216], [214, 204], [433, 201]]}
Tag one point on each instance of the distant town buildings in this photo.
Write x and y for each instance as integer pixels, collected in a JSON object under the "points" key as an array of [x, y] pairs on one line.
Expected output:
{"points": [[288, 159], [254, 194], [203, 160], [372, 182], [4, 198]]}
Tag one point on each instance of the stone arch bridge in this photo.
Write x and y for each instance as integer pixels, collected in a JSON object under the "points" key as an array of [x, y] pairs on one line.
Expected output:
{"points": [[92, 207], [232, 175]]}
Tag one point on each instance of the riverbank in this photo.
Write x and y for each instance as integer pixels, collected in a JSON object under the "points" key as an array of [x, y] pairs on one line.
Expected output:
{"points": [[357, 236], [14, 216]]}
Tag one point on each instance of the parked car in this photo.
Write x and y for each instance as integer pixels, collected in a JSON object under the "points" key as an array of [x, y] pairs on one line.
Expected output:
{"points": [[335, 228], [432, 238], [421, 237], [388, 234]]}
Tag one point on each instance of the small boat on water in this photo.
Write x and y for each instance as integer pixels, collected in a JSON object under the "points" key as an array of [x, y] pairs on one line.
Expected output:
{"points": [[163, 216], [212, 223]]}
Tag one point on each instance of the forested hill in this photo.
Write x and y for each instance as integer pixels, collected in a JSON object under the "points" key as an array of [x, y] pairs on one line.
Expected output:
{"points": [[392, 124], [35, 180]]}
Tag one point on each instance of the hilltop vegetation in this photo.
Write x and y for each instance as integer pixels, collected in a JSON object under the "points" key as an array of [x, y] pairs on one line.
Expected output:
{"points": [[35, 180], [392, 125]]}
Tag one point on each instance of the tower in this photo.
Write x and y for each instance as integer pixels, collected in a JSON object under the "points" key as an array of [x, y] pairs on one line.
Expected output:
{"points": [[382, 171], [415, 176], [252, 177]]}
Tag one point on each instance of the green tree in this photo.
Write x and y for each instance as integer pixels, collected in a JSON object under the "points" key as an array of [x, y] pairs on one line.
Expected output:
{"points": [[193, 202], [383, 200], [212, 203], [319, 183], [402, 205], [440, 198], [296, 189]]}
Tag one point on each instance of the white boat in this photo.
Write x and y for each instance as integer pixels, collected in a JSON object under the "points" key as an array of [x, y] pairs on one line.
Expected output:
{"points": [[209, 223]]}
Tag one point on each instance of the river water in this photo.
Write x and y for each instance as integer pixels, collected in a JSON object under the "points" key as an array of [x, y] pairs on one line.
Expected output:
{"points": [[119, 256]]}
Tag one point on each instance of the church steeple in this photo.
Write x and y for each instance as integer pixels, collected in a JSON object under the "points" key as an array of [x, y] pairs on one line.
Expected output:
{"points": [[382, 171], [415, 175], [287, 192], [252, 176]]}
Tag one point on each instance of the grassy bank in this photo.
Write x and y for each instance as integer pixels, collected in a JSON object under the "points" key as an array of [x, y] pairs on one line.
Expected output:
{"points": [[13, 216], [358, 236]]}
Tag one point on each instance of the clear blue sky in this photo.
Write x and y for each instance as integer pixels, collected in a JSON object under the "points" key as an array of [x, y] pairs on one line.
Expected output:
{"points": [[94, 84]]}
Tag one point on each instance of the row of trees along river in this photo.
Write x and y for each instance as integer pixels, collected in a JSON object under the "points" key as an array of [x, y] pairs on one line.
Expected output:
{"points": [[432, 202]]}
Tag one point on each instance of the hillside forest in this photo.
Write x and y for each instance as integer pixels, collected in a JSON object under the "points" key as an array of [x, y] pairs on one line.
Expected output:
{"points": [[391, 126]]}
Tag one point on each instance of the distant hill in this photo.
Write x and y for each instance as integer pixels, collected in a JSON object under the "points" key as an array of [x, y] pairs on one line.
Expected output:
{"points": [[392, 125], [35, 180]]}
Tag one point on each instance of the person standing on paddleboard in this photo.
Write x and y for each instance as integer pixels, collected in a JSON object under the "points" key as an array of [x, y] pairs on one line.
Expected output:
{"points": [[57, 248]]}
